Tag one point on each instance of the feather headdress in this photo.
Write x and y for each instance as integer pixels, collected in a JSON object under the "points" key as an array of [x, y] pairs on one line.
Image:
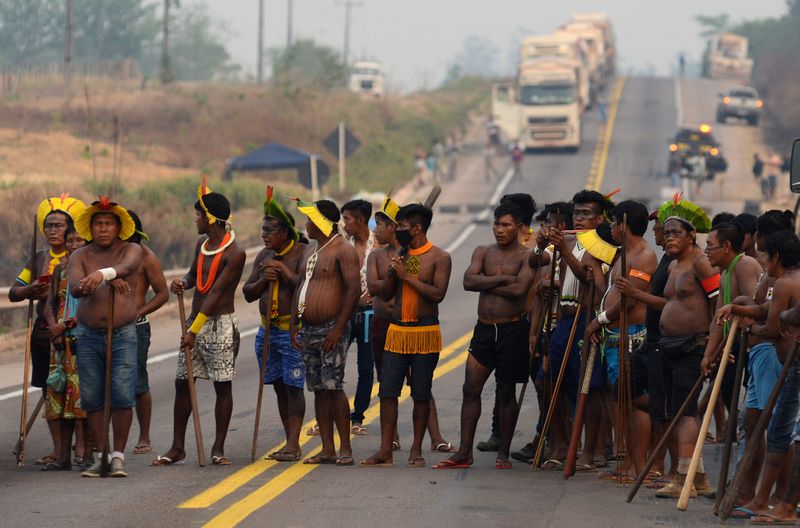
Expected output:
{"points": [[685, 211], [274, 210], [596, 246], [104, 205], [72, 207], [311, 210]]}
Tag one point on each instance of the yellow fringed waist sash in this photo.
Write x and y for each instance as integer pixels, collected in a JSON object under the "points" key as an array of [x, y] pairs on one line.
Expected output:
{"points": [[281, 322], [414, 339]]}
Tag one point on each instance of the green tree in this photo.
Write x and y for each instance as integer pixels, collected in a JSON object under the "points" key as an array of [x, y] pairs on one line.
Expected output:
{"points": [[198, 50], [113, 29], [713, 24], [31, 31], [308, 64]]}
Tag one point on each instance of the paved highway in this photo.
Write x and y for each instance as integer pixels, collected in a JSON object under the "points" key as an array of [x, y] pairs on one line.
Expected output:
{"points": [[629, 153]]}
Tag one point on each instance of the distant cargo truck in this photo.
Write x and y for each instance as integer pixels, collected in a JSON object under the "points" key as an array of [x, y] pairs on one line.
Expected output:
{"points": [[726, 58]]}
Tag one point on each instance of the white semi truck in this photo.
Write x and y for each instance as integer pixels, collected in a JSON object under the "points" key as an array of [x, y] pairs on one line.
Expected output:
{"points": [[542, 108], [568, 51], [366, 78], [726, 58]]}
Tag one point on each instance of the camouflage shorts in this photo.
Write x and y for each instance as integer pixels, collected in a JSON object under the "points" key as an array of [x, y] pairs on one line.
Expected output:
{"points": [[324, 370], [215, 350]]}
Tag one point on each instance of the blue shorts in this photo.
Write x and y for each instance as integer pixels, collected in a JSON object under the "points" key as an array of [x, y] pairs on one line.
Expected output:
{"points": [[90, 344], [284, 362], [142, 348], [783, 424], [637, 333], [764, 369], [558, 343]]}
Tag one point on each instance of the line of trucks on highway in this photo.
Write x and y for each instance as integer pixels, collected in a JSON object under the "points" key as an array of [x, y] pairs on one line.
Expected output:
{"points": [[558, 78]]}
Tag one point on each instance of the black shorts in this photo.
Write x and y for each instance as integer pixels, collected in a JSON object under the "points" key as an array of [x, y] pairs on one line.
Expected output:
{"points": [[503, 348], [40, 353], [682, 356], [378, 327], [419, 369], [660, 399]]}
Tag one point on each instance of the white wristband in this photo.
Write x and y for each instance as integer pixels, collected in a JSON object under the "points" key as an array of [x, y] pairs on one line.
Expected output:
{"points": [[602, 318], [108, 273]]}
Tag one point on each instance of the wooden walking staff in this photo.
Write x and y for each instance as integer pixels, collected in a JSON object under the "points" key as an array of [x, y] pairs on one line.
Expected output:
{"points": [[104, 462], [733, 423], [26, 371], [557, 387], [728, 502], [262, 373], [624, 387], [198, 433], [683, 500], [587, 366]]}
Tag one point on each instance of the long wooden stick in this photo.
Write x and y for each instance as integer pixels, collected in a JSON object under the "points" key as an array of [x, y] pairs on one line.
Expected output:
{"points": [[31, 421], [587, 366], [26, 371], [624, 390], [557, 386], [104, 462], [683, 500], [733, 423], [537, 325], [198, 434], [548, 303], [262, 373], [727, 504]]}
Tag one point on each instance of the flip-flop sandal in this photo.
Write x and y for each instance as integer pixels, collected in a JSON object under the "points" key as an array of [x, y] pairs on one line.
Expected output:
{"points": [[44, 460], [451, 464], [344, 461], [319, 460], [375, 462], [165, 461], [600, 464], [444, 447], [759, 520], [416, 462], [359, 430], [142, 449], [744, 513], [585, 467], [55, 466], [220, 460], [312, 431], [503, 464], [552, 464], [286, 457], [395, 446]]}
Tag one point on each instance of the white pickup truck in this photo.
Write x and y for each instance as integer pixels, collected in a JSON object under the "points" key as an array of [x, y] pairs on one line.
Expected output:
{"points": [[741, 102]]}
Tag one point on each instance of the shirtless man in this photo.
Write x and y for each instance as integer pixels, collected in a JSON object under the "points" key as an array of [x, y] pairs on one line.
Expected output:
{"points": [[417, 281], [690, 292], [53, 217], [528, 206], [500, 273], [377, 268], [783, 252], [356, 215], [93, 270], [642, 263], [150, 275], [279, 264], [324, 302], [213, 335]]}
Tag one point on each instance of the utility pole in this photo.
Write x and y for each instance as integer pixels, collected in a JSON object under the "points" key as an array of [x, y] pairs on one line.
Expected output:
{"points": [[167, 76], [289, 24], [260, 68], [348, 11], [68, 43]]}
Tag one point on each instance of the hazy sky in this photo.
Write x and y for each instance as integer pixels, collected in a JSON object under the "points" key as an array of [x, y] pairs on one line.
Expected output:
{"points": [[416, 40]]}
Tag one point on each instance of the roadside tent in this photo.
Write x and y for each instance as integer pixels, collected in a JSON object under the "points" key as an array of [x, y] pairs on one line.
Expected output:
{"points": [[275, 156]]}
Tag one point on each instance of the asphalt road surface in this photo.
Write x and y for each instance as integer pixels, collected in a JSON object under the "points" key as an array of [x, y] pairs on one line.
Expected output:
{"points": [[629, 153]]}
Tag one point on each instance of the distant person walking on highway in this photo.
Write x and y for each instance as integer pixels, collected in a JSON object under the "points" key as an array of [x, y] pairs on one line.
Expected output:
{"points": [[758, 171], [517, 151], [500, 273], [212, 340], [278, 264], [420, 166], [417, 281], [602, 108], [327, 297], [54, 215], [493, 134], [108, 262], [151, 275], [451, 150], [774, 164]]}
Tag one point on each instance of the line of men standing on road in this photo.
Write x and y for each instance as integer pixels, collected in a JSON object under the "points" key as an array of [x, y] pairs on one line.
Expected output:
{"points": [[382, 289]]}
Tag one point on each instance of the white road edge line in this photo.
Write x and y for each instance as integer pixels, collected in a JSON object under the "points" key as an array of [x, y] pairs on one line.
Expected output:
{"points": [[454, 245], [155, 359], [498, 192]]}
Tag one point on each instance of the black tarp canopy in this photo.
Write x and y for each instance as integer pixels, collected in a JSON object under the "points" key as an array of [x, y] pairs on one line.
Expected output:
{"points": [[275, 156]]}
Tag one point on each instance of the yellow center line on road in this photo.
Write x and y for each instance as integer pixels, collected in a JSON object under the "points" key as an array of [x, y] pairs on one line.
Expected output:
{"points": [[262, 496], [222, 489], [597, 171]]}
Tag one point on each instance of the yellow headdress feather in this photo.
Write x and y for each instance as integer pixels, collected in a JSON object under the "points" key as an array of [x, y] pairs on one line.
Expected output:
{"points": [[72, 207]]}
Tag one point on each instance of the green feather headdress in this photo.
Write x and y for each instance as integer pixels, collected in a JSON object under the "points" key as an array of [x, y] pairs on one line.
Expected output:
{"points": [[685, 211], [273, 209]]}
